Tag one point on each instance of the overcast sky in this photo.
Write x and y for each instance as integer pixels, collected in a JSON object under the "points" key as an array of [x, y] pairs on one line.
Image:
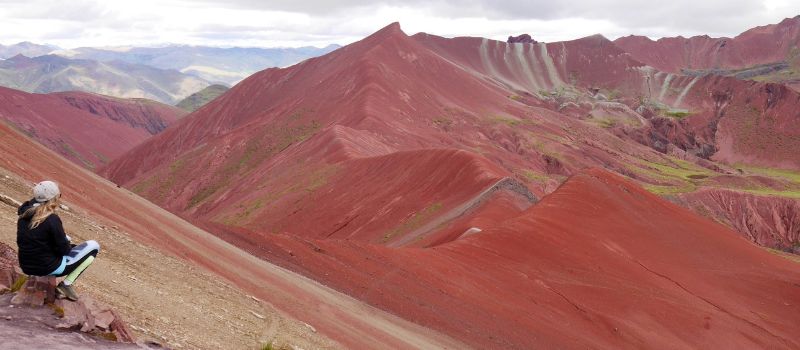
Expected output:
{"points": [[77, 23]]}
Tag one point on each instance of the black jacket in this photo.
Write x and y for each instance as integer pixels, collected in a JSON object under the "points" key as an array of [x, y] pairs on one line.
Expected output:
{"points": [[41, 249]]}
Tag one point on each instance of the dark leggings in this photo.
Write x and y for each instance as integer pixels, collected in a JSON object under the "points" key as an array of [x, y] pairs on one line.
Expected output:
{"points": [[74, 265], [78, 255]]}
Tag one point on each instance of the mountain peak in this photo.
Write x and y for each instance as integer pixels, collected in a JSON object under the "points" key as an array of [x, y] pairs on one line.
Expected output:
{"points": [[18, 56], [390, 30]]}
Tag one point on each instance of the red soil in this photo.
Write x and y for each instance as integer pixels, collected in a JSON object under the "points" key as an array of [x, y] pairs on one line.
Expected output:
{"points": [[392, 143], [348, 321], [734, 121], [632, 271], [588, 62], [86, 128], [760, 45], [361, 198], [384, 94], [766, 220]]}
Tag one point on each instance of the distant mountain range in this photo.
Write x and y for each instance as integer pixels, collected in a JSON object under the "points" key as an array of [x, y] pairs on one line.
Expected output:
{"points": [[217, 65], [25, 48], [166, 74], [51, 73]]}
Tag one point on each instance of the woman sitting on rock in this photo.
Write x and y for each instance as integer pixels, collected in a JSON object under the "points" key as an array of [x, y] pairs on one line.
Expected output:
{"points": [[44, 248]]}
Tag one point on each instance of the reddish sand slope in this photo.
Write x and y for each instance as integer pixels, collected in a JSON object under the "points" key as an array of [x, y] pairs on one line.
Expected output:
{"points": [[266, 155], [384, 94], [760, 45], [350, 322], [599, 263], [86, 128], [368, 168], [767, 220]]}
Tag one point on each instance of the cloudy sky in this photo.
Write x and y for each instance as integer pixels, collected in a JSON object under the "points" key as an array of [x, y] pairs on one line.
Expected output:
{"points": [[77, 23]]}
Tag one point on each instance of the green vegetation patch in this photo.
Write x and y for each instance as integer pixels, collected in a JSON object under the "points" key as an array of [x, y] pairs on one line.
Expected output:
{"points": [[793, 176], [260, 147], [415, 222], [19, 283], [103, 159], [677, 176], [202, 97], [308, 183], [677, 113], [605, 123], [69, 151], [512, 122], [534, 176], [668, 189], [785, 255]]}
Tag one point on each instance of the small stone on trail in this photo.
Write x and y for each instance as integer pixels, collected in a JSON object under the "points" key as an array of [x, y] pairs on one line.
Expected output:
{"points": [[314, 330], [257, 315]]}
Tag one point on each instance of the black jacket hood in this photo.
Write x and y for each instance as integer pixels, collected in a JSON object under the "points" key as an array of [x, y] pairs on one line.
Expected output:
{"points": [[25, 206]]}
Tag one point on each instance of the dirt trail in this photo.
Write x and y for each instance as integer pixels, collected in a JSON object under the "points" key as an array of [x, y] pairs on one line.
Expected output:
{"points": [[505, 183], [343, 318], [163, 298]]}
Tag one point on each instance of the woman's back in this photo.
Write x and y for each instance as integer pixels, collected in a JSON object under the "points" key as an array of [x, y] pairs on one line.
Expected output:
{"points": [[40, 248]]}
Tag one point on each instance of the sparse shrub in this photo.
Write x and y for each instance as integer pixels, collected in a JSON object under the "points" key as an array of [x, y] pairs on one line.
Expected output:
{"points": [[57, 310], [110, 336], [19, 283], [677, 113], [606, 123]]}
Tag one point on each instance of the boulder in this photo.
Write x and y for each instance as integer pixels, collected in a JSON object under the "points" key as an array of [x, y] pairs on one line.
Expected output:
{"points": [[10, 201], [9, 271], [37, 291], [523, 38], [85, 315], [90, 316]]}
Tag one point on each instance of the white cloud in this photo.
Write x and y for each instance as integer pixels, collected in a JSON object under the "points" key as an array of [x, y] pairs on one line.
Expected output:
{"points": [[320, 22]]}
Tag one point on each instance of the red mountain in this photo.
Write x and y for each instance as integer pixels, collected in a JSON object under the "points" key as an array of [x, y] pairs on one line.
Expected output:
{"points": [[350, 322], [766, 44], [86, 128], [404, 171], [599, 263]]}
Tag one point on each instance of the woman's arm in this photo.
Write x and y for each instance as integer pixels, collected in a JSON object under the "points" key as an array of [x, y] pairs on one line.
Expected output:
{"points": [[59, 237]]}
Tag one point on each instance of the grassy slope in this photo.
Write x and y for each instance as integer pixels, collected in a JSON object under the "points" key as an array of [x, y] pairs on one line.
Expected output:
{"points": [[200, 98]]}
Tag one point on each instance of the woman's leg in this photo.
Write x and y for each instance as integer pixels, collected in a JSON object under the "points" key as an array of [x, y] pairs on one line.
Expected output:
{"points": [[78, 259]]}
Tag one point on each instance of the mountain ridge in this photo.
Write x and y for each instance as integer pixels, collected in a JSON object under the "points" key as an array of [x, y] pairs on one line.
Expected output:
{"points": [[88, 129]]}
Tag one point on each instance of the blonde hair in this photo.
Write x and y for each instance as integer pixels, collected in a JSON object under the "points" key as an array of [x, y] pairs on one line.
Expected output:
{"points": [[40, 212]]}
